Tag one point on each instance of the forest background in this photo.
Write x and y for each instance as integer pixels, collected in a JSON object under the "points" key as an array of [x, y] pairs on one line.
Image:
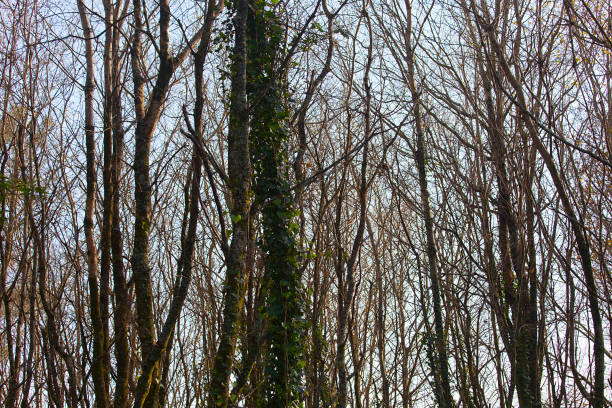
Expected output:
{"points": [[352, 203]]}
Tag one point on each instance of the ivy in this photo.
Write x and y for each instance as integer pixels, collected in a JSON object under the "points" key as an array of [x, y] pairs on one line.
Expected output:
{"points": [[14, 187], [283, 310], [10, 186]]}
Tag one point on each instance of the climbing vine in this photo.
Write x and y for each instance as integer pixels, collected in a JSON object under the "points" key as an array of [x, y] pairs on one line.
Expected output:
{"points": [[268, 147]]}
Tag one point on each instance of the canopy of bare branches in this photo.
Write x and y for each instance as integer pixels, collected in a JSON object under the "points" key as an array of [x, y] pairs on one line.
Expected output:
{"points": [[321, 203]]}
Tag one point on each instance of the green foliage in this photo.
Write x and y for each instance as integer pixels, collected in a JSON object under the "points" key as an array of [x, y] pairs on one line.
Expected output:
{"points": [[268, 146], [12, 187], [9, 186]]}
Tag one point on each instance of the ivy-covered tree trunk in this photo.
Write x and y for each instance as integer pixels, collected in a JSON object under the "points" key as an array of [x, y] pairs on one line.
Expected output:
{"points": [[268, 143]]}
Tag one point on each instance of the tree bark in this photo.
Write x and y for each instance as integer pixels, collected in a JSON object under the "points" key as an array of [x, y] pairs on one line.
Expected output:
{"points": [[239, 171]]}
